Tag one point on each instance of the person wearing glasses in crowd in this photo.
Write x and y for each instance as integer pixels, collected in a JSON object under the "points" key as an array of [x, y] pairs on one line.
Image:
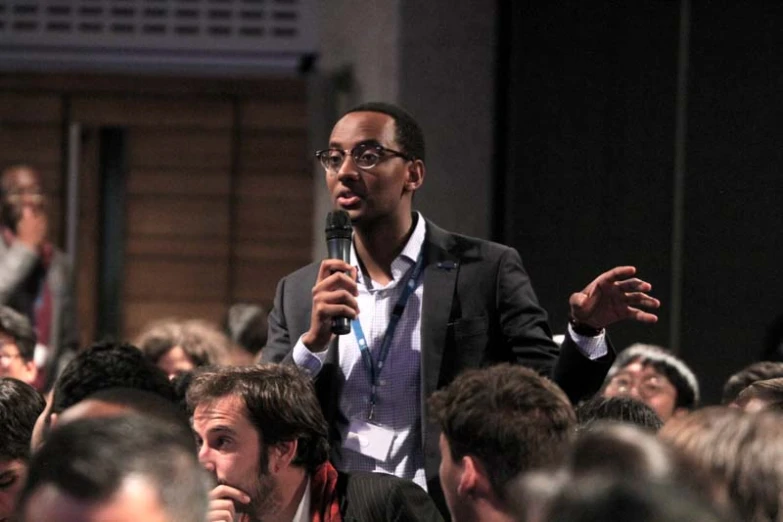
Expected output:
{"points": [[17, 347], [425, 304], [35, 277], [654, 376]]}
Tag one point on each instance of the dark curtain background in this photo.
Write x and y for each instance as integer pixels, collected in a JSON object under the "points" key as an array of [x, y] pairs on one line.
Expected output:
{"points": [[586, 140]]}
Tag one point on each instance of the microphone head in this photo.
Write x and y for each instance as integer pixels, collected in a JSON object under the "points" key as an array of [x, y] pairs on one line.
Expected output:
{"points": [[338, 225]]}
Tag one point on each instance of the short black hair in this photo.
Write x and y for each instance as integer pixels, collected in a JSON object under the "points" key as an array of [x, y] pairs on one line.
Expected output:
{"points": [[664, 362], [509, 417], [90, 459], [20, 406], [618, 409], [16, 325], [408, 132], [280, 401], [108, 364]]}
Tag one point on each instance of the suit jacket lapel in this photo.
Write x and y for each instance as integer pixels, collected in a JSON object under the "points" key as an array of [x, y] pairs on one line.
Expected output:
{"points": [[440, 277]]}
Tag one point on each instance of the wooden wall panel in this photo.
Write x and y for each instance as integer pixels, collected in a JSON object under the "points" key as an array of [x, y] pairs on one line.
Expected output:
{"points": [[134, 111], [138, 314]]}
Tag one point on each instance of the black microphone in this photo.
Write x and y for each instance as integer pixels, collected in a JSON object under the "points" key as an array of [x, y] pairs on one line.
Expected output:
{"points": [[338, 244]]}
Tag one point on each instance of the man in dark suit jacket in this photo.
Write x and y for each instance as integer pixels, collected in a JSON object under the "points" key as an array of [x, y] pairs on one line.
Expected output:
{"points": [[472, 305], [261, 433]]}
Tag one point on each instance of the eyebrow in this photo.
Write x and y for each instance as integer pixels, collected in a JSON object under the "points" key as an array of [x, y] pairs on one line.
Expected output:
{"points": [[221, 429], [370, 141]]}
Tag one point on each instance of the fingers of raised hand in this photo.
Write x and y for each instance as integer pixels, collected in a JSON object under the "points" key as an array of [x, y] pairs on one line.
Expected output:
{"points": [[641, 299], [642, 316], [633, 285]]}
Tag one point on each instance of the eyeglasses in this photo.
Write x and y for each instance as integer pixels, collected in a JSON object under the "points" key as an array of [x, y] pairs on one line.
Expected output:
{"points": [[365, 155], [6, 358], [647, 387]]}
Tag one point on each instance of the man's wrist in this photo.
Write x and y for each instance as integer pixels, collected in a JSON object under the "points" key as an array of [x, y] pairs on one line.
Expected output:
{"points": [[584, 329]]}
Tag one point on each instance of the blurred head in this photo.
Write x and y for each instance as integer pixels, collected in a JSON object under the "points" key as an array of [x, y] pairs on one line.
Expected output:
{"points": [[246, 326], [254, 425], [760, 371], [624, 410], [20, 405], [496, 423], [742, 452], [180, 346], [20, 186], [17, 346], [654, 376], [761, 395], [115, 469], [104, 365], [623, 450], [607, 499]]}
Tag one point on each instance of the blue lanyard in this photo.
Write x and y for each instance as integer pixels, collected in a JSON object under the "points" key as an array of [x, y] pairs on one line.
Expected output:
{"points": [[374, 370]]}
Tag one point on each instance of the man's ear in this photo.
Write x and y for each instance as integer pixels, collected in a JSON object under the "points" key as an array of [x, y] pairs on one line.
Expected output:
{"points": [[282, 454], [474, 481], [416, 172], [31, 370]]}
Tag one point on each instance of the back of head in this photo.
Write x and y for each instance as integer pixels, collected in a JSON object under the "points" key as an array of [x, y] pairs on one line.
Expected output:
{"points": [[113, 402], [90, 460], [759, 371], [20, 406], [743, 452], [762, 395], [509, 417], [617, 409], [107, 365], [280, 402], [246, 325], [408, 131], [664, 362], [597, 499], [17, 326], [201, 341], [621, 450]]}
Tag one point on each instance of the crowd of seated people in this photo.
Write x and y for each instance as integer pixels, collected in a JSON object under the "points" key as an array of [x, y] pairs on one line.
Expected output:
{"points": [[116, 439], [451, 401]]}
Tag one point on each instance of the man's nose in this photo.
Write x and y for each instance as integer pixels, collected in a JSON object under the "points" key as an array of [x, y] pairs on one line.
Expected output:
{"points": [[349, 169], [205, 458]]}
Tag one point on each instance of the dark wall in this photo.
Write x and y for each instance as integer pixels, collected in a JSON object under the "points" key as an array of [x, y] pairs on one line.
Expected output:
{"points": [[588, 179]]}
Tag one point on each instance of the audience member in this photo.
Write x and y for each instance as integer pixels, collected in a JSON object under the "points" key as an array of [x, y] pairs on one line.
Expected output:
{"points": [[530, 495], [761, 395], [17, 347], [246, 326], [654, 376], [179, 346], [261, 433], [760, 371], [114, 402], [35, 277], [497, 423], [623, 451], [625, 410], [20, 405], [104, 365], [119, 469], [480, 307], [743, 453], [597, 499]]}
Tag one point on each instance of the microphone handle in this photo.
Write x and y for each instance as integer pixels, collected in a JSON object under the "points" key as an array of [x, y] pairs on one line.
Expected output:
{"points": [[340, 248]]}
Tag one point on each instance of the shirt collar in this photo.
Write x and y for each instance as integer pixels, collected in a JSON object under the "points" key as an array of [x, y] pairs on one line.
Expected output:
{"points": [[410, 251], [303, 511]]}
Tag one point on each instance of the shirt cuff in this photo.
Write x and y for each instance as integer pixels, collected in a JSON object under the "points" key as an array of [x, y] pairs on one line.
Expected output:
{"points": [[308, 361], [591, 347]]}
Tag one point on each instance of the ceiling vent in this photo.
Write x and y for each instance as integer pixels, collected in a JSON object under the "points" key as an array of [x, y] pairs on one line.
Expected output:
{"points": [[211, 37]]}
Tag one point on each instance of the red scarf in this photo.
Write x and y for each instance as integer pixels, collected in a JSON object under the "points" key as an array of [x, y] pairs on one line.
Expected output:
{"points": [[324, 501]]}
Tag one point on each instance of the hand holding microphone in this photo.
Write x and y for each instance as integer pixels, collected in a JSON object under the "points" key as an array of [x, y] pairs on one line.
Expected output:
{"points": [[335, 291]]}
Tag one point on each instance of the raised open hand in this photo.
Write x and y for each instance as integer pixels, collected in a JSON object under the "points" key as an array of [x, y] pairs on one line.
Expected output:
{"points": [[613, 296]]}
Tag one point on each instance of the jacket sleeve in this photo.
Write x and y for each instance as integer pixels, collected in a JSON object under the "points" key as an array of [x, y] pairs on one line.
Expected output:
{"points": [[15, 265]]}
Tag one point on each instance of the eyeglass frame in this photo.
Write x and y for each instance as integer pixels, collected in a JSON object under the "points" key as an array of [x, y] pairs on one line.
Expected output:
{"points": [[642, 385], [365, 145]]}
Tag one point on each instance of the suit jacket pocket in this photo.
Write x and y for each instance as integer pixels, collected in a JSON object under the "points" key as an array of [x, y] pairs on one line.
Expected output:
{"points": [[469, 327]]}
